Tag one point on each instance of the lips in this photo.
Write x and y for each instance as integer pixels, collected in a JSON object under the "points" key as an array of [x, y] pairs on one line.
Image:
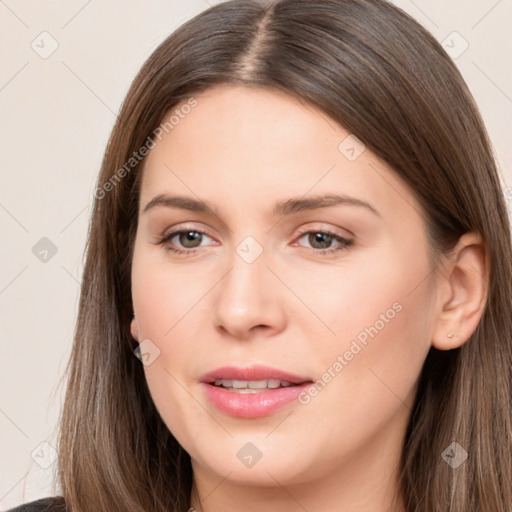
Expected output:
{"points": [[252, 392]]}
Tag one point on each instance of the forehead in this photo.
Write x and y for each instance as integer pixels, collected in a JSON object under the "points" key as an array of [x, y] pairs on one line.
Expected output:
{"points": [[249, 147]]}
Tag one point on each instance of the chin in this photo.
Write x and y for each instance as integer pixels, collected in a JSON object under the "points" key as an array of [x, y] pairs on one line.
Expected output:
{"points": [[258, 463]]}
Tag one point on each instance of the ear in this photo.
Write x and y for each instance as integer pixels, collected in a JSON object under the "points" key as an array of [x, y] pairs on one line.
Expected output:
{"points": [[462, 293], [133, 329]]}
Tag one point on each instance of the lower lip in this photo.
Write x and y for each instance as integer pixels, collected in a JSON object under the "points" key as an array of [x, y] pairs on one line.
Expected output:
{"points": [[252, 405]]}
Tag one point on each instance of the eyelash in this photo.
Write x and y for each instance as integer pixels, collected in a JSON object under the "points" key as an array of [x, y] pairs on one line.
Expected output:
{"points": [[345, 243]]}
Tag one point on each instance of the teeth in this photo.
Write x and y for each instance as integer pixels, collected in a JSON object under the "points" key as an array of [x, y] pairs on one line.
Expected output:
{"points": [[252, 384]]}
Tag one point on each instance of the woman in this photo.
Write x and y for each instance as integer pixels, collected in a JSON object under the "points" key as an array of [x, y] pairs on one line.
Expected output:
{"points": [[342, 338]]}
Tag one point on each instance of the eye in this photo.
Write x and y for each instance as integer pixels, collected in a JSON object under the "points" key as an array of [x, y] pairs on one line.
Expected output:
{"points": [[190, 240], [321, 240]]}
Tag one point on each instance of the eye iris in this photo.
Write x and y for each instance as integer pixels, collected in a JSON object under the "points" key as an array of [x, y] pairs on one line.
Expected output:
{"points": [[189, 236], [323, 238]]}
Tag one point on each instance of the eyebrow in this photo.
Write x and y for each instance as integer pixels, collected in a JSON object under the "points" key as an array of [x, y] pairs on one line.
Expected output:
{"points": [[287, 207]]}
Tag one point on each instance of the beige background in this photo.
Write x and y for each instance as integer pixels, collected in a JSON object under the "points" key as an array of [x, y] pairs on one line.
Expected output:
{"points": [[56, 115]]}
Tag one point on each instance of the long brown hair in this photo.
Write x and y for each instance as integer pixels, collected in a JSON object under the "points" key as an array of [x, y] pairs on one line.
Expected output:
{"points": [[383, 77]]}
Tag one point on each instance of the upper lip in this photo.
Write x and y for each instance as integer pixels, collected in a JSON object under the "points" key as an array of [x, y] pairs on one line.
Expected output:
{"points": [[256, 372]]}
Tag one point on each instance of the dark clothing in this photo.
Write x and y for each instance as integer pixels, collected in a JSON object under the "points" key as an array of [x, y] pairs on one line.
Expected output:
{"points": [[53, 504]]}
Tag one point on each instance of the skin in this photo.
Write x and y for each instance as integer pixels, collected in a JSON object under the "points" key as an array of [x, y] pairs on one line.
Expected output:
{"points": [[293, 308]]}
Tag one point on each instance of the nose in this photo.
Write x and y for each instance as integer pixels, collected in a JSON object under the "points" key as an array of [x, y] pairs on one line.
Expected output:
{"points": [[249, 300]]}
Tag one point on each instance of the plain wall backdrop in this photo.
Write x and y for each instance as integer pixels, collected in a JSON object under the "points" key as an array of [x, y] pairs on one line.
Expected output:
{"points": [[66, 67]]}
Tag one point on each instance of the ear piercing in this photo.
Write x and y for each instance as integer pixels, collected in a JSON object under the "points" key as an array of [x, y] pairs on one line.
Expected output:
{"points": [[450, 335]]}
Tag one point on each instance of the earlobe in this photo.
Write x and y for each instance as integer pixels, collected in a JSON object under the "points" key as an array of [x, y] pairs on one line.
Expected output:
{"points": [[465, 285], [133, 329]]}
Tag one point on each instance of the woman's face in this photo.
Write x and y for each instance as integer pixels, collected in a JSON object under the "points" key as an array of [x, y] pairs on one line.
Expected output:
{"points": [[258, 284]]}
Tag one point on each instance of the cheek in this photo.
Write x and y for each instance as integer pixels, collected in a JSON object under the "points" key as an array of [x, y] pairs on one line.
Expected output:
{"points": [[163, 295], [164, 302], [172, 311], [381, 313]]}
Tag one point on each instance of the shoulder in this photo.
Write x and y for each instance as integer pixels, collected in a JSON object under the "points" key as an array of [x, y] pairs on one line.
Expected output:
{"points": [[53, 504]]}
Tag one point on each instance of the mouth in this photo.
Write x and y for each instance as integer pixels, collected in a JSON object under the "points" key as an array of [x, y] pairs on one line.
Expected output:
{"points": [[252, 392]]}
